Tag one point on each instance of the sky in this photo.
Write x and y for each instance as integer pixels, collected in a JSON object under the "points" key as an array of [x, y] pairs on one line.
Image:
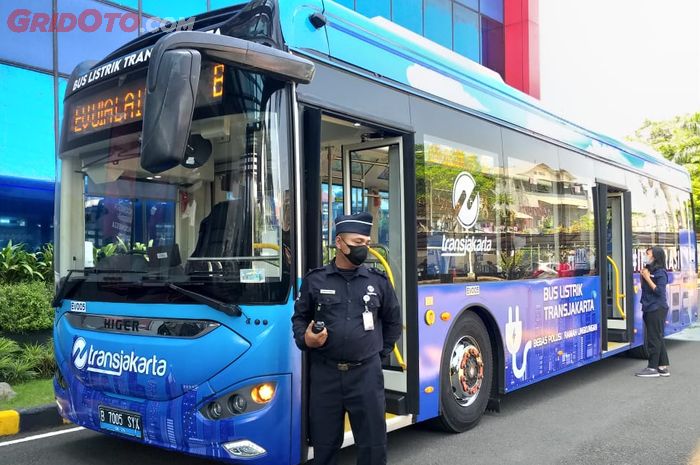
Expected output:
{"points": [[610, 64]]}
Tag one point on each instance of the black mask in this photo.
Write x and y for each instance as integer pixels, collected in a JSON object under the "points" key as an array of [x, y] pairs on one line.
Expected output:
{"points": [[357, 255]]}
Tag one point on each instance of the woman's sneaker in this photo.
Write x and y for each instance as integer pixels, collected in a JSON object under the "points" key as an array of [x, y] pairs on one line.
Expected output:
{"points": [[648, 373], [664, 372]]}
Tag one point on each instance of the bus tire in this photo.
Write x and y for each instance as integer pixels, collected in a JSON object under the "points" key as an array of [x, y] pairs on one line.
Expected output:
{"points": [[466, 374]]}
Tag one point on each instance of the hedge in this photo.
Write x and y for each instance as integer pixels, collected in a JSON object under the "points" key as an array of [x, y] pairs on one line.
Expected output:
{"points": [[25, 307]]}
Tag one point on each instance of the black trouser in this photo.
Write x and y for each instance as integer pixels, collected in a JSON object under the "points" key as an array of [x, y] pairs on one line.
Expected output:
{"points": [[654, 323], [358, 391]]}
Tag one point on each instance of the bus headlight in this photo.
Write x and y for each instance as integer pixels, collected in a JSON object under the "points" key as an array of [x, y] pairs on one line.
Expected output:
{"points": [[263, 393], [237, 404], [215, 410], [241, 401]]}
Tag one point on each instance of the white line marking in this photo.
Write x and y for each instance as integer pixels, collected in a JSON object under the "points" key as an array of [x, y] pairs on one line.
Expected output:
{"points": [[42, 436]]}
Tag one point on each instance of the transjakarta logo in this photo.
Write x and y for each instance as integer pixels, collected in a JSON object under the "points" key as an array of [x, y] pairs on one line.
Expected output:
{"points": [[79, 353], [115, 363], [466, 202]]}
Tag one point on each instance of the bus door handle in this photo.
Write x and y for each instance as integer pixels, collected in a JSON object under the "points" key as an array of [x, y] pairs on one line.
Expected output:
{"points": [[618, 295]]}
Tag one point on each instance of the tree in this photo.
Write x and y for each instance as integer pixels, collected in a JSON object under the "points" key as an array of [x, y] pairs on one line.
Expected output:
{"points": [[678, 140]]}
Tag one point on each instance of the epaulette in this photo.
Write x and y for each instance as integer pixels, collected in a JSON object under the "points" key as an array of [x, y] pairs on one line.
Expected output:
{"points": [[377, 271], [315, 270]]}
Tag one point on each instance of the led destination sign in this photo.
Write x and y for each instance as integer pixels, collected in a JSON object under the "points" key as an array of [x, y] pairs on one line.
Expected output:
{"points": [[108, 108], [123, 104]]}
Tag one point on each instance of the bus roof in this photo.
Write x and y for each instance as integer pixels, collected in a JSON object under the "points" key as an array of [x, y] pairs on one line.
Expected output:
{"points": [[396, 54], [401, 57]]}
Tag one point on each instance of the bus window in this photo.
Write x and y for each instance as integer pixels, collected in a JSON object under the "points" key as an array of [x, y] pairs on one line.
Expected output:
{"points": [[462, 191], [535, 216], [577, 222], [220, 221]]}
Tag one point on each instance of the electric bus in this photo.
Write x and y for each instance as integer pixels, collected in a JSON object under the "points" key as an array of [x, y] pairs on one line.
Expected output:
{"points": [[199, 175]]}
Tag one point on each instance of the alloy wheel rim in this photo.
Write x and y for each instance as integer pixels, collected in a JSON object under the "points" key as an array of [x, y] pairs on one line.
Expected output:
{"points": [[466, 371]]}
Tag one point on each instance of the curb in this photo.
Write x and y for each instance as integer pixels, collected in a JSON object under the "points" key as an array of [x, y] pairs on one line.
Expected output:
{"points": [[30, 419]]}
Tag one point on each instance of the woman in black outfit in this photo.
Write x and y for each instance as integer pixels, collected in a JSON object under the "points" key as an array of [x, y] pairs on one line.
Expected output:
{"points": [[655, 308]]}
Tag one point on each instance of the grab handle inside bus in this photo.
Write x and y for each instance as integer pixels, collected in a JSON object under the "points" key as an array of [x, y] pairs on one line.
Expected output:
{"points": [[618, 295], [390, 274]]}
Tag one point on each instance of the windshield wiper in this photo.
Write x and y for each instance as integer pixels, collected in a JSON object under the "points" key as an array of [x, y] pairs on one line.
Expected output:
{"points": [[65, 286], [108, 271], [228, 309]]}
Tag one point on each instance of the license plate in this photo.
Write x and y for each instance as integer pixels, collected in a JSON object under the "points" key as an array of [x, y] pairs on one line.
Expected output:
{"points": [[121, 422]]}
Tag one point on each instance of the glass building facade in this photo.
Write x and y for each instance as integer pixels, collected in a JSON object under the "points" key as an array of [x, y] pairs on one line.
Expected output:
{"points": [[35, 65], [473, 28]]}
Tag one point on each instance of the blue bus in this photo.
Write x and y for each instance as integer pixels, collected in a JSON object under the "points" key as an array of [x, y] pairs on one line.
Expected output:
{"points": [[200, 171]]}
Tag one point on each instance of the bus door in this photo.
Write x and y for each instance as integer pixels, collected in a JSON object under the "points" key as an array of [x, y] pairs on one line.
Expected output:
{"points": [[358, 174], [616, 268]]}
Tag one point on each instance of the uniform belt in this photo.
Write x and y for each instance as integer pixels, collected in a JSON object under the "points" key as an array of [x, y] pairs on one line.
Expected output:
{"points": [[342, 366]]}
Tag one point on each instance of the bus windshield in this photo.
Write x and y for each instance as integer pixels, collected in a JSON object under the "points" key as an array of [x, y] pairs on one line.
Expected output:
{"points": [[218, 224]]}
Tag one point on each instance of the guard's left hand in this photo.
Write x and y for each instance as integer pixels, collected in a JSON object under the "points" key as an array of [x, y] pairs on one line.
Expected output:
{"points": [[645, 273]]}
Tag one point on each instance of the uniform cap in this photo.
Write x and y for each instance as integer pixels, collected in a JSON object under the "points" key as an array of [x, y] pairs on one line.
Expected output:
{"points": [[360, 223]]}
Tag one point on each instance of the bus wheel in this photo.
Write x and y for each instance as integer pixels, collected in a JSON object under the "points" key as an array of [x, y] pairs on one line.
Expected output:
{"points": [[466, 374]]}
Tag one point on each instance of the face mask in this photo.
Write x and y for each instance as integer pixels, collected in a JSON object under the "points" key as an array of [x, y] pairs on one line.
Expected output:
{"points": [[357, 255]]}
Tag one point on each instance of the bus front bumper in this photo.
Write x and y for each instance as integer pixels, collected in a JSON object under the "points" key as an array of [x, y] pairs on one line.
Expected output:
{"points": [[261, 436]]}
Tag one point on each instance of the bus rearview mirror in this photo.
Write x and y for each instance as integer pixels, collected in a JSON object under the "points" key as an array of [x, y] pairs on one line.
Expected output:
{"points": [[168, 109]]}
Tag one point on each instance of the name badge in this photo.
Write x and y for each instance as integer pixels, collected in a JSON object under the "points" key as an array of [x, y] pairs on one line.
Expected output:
{"points": [[328, 291], [368, 321]]}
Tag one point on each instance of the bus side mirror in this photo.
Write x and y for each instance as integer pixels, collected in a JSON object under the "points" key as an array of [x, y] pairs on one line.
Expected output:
{"points": [[171, 91]]}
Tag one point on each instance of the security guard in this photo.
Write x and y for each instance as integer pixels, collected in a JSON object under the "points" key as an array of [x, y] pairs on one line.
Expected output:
{"points": [[362, 322]]}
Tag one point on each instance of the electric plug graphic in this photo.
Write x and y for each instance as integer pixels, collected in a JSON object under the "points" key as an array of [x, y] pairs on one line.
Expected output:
{"points": [[514, 338], [514, 331]]}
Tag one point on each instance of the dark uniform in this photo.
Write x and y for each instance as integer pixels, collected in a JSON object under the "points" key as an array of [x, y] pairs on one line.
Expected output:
{"points": [[346, 373]]}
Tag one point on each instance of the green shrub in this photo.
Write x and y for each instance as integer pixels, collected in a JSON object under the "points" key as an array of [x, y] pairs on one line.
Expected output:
{"points": [[44, 262], [41, 358], [14, 367], [16, 264], [25, 307], [19, 364]]}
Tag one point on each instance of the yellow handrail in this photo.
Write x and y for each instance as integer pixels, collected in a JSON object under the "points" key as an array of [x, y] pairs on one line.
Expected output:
{"points": [[390, 274], [266, 245], [618, 295], [384, 263]]}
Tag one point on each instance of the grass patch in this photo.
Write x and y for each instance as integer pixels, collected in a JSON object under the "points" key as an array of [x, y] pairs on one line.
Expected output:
{"points": [[30, 394]]}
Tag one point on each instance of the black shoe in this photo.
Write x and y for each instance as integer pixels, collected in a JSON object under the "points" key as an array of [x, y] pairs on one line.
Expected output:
{"points": [[664, 372], [648, 373]]}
